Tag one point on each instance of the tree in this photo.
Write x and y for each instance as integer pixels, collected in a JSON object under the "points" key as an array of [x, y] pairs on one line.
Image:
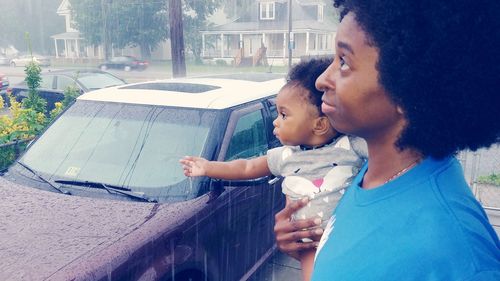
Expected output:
{"points": [[38, 17], [236, 8], [139, 22], [195, 19], [122, 23]]}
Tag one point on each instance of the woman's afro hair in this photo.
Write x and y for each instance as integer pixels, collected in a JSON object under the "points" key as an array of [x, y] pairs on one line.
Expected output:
{"points": [[439, 61], [304, 74]]}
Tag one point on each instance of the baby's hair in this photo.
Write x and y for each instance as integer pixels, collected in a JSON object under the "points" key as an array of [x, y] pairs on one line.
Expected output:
{"points": [[304, 75]]}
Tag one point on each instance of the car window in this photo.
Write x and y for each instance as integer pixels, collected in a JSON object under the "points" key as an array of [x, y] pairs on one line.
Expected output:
{"points": [[47, 82], [64, 82], [99, 80], [249, 138], [272, 108], [122, 145]]}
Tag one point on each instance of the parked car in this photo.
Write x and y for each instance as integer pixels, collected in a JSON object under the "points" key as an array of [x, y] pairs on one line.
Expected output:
{"points": [[4, 60], [126, 63], [100, 195], [23, 60], [54, 83], [4, 83]]}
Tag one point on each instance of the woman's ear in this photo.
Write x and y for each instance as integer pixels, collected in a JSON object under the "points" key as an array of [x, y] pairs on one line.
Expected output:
{"points": [[321, 126]]}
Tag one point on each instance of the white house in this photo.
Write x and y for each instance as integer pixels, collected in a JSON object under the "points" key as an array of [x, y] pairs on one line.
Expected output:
{"points": [[266, 24]]}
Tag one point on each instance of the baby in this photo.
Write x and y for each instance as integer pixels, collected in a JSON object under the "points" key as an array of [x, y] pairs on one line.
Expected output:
{"points": [[315, 160]]}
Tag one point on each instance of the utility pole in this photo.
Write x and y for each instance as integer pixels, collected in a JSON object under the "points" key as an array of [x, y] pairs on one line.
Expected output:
{"points": [[177, 38], [290, 34], [105, 32]]}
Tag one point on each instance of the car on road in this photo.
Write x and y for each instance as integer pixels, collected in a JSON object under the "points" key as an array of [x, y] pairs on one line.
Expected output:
{"points": [[101, 195], [4, 60], [125, 63], [54, 83], [23, 60]]}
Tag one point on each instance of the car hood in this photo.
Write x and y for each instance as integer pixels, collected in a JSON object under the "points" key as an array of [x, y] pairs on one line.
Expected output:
{"points": [[45, 235]]}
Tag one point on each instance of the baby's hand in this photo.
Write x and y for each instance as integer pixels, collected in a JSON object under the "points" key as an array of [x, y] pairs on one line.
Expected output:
{"points": [[193, 166]]}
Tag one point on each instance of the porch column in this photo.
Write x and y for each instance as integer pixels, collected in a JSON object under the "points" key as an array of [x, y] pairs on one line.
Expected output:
{"points": [[66, 47], [307, 43], [285, 45], [222, 45], [203, 45], [77, 48], [55, 45], [264, 39], [317, 42]]}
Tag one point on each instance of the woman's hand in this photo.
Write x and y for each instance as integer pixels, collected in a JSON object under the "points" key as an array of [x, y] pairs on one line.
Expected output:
{"points": [[290, 233]]}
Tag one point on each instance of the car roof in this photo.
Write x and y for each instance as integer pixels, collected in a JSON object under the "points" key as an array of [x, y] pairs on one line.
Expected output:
{"points": [[72, 72], [202, 92]]}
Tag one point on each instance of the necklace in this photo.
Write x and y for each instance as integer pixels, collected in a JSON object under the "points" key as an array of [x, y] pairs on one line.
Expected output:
{"points": [[402, 171]]}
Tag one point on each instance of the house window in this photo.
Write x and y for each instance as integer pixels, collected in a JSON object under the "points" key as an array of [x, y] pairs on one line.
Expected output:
{"points": [[267, 10], [320, 12]]}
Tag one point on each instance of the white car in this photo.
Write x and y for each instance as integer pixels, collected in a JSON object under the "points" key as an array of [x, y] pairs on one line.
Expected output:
{"points": [[23, 60], [101, 195]]}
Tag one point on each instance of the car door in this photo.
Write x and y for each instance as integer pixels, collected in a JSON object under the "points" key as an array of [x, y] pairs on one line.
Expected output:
{"points": [[246, 217]]}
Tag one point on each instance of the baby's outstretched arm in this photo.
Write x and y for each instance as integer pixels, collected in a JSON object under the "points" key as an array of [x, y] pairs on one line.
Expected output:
{"points": [[194, 166], [239, 169]]}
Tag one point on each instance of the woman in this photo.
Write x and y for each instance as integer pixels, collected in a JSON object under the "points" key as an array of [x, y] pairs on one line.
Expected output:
{"points": [[418, 81]]}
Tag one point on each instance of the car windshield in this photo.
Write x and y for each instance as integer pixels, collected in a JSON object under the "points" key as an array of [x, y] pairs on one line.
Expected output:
{"points": [[132, 146], [98, 80]]}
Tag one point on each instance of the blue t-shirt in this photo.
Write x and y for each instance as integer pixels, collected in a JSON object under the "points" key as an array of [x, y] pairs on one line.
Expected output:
{"points": [[424, 225]]}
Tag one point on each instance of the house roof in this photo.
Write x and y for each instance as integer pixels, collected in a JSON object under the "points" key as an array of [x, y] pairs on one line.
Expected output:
{"points": [[64, 8], [297, 26], [67, 35]]}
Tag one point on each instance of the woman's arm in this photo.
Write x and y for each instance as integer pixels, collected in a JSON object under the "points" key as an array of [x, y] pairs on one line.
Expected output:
{"points": [[240, 169]]}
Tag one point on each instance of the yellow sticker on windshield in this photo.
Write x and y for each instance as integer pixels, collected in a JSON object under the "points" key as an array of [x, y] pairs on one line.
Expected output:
{"points": [[72, 171]]}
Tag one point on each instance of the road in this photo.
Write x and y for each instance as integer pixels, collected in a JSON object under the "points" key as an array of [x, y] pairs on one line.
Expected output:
{"points": [[279, 266]]}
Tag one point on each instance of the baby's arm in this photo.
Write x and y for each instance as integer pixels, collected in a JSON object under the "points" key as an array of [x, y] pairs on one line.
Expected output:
{"points": [[239, 169]]}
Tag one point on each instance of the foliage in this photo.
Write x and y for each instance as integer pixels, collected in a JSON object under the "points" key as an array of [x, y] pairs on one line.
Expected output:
{"points": [[122, 23], [22, 123], [9, 152], [70, 95], [139, 23], [236, 8], [195, 20], [33, 79], [39, 18], [493, 179]]}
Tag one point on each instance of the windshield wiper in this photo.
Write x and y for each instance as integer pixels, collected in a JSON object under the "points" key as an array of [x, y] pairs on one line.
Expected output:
{"points": [[43, 179], [112, 189]]}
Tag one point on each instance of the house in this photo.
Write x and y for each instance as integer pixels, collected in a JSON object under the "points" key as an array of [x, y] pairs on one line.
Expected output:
{"points": [[71, 45], [266, 25]]}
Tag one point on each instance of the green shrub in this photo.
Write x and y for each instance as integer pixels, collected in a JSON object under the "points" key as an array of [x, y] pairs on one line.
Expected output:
{"points": [[493, 179]]}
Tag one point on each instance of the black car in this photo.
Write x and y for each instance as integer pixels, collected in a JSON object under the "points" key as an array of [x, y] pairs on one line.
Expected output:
{"points": [[125, 63], [54, 83], [101, 195], [4, 83]]}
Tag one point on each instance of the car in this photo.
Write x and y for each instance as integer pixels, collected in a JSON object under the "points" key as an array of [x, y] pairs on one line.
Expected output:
{"points": [[4, 60], [4, 83], [101, 195], [23, 60], [125, 63], [55, 82]]}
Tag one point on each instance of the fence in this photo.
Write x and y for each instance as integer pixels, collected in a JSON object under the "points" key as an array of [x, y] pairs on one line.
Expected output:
{"points": [[481, 165]]}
